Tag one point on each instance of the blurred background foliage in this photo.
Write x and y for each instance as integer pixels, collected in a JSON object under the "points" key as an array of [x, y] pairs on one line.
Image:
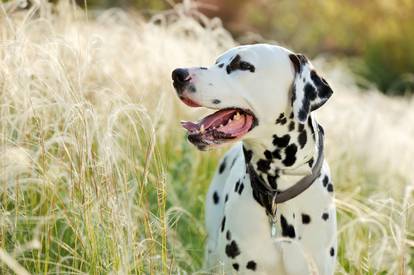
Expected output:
{"points": [[374, 37], [377, 34]]}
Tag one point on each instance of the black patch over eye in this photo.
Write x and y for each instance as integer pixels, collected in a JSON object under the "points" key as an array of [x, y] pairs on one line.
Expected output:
{"points": [[234, 64], [245, 66], [237, 64]]}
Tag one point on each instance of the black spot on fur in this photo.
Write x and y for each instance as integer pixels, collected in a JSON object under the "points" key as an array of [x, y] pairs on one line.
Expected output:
{"points": [[226, 198], [241, 188], [281, 119], [251, 265], [276, 154], [311, 127], [325, 181], [310, 91], [272, 180], [263, 165], [291, 126], [325, 216], [221, 65], [223, 223], [232, 250], [258, 198], [233, 162], [236, 266], [236, 187], [247, 154], [287, 229], [268, 154], [330, 187], [332, 251], [228, 235], [295, 62], [311, 162], [306, 219], [324, 91], [315, 78], [216, 101], [293, 93], [309, 94], [290, 155], [222, 166], [301, 127], [245, 66], [281, 142], [216, 198], [233, 65], [302, 138], [302, 114]]}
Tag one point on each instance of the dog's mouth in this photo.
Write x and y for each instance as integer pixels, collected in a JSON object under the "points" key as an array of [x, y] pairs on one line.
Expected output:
{"points": [[225, 125]]}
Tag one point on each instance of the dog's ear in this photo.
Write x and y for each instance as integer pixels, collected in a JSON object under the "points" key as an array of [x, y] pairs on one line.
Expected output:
{"points": [[309, 90]]}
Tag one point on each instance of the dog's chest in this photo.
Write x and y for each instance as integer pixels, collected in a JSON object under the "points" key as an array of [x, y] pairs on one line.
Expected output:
{"points": [[245, 231], [245, 234]]}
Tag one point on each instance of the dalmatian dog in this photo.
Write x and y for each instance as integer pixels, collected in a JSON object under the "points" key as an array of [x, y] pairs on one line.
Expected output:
{"points": [[270, 207]]}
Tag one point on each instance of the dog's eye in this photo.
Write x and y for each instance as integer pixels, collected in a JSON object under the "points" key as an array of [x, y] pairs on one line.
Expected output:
{"points": [[245, 66]]}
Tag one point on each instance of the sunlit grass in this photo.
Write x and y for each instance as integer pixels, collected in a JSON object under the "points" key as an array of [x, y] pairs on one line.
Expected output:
{"points": [[96, 174]]}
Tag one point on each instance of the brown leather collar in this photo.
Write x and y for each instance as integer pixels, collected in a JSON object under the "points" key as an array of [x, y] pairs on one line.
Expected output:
{"points": [[269, 197]]}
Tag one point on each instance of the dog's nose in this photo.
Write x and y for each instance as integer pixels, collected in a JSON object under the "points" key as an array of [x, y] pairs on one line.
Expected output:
{"points": [[180, 77]]}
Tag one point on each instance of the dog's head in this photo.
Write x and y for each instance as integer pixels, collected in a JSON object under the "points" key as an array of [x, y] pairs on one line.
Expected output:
{"points": [[250, 86]]}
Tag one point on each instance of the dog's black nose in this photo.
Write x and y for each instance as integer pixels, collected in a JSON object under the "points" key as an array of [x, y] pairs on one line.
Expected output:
{"points": [[180, 77]]}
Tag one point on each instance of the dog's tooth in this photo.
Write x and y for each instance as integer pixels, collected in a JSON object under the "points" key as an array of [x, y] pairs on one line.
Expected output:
{"points": [[202, 129], [237, 116]]}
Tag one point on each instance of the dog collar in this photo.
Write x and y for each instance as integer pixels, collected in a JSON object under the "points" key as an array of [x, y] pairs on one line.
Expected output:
{"points": [[269, 198]]}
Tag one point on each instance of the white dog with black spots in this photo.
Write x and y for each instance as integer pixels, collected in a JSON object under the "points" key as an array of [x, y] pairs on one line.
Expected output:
{"points": [[264, 96]]}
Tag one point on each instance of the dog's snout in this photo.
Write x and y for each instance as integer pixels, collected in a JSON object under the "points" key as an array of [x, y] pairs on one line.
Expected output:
{"points": [[180, 77]]}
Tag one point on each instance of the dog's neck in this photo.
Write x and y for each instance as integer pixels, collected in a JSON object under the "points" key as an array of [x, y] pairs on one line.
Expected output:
{"points": [[285, 152]]}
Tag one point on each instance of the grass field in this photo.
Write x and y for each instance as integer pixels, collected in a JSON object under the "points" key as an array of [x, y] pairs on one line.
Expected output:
{"points": [[98, 178]]}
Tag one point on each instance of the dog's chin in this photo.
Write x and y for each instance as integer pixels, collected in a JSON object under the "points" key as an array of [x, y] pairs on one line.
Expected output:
{"points": [[222, 127], [207, 145]]}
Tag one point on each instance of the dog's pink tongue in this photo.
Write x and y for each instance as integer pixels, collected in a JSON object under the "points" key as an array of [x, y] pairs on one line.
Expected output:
{"points": [[238, 127], [216, 118], [211, 120]]}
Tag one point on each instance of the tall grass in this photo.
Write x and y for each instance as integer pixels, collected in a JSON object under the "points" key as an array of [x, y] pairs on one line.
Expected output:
{"points": [[96, 174]]}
